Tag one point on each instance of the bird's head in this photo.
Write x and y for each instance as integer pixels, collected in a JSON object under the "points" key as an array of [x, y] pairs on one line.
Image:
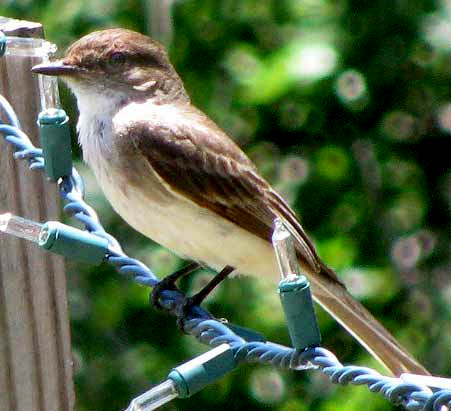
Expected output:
{"points": [[117, 62]]}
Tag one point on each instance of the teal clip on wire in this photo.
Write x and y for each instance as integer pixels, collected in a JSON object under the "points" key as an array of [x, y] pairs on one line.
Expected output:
{"points": [[73, 243], [294, 292], [188, 378], [2, 44], [55, 141], [58, 238]]}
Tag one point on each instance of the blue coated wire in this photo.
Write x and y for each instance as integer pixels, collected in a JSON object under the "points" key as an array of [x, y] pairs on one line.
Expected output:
{"points": [[202, 325]]}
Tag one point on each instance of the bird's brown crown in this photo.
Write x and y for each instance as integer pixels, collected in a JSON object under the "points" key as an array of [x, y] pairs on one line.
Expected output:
{"points": [[107, 49], [123, 61]]}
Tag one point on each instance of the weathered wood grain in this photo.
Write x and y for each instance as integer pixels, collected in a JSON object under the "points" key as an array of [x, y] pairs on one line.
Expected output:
{"points": [[35, 352]]}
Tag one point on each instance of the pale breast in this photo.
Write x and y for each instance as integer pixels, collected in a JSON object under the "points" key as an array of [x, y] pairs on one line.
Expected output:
{"points": [[148, 204], [188, 230]]}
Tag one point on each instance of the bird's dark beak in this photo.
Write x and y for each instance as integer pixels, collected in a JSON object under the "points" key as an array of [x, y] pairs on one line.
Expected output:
{"points": [[56, 68]]}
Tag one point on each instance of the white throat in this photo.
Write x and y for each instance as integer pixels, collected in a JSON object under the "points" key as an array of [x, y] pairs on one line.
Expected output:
{"points": [[96, 110]]}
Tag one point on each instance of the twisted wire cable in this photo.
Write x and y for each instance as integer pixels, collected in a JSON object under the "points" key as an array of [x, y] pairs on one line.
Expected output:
{"points": [[413, 397], [202, 325]]}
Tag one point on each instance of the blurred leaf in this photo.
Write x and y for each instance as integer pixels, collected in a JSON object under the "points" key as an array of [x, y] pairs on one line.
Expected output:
{"points": [[332, 163], [339, 252]]}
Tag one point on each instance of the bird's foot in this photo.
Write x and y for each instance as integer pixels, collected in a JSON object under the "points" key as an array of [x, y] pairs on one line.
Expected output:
{"points": [[168, 283], [184, 309]]}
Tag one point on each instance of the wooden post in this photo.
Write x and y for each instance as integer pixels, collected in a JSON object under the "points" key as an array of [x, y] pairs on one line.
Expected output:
{"points": [[160, 20], [35, 353]]}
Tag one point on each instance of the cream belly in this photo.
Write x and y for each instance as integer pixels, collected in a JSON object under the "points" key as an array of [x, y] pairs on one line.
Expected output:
{"points": [[164, 216], [189, 230]]}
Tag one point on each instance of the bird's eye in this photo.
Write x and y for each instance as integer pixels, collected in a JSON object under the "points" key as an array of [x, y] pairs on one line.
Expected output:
{"points": [[116, 59]]}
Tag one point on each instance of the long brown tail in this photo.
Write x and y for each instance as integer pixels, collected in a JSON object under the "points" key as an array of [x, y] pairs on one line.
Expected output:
{"points": [[332, 295], [334, 298]]}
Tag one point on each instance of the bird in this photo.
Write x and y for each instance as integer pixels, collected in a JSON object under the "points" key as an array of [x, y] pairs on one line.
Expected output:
{"points": [[175, 176]]}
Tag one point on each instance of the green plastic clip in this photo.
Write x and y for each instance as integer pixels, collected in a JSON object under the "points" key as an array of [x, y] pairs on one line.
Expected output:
{"points": [[73, 243], [55, 141], [297, 304], [203, 370]]}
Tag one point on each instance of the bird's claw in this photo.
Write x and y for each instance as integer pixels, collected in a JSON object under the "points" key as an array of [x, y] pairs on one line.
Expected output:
{"points": [[168, 283], [184, 307], [158, 290]]}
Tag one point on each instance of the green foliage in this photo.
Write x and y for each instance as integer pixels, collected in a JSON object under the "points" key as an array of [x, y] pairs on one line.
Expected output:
{"points": [[345, 107]]}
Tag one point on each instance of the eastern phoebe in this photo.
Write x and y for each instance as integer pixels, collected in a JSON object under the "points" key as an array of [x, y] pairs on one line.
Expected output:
{"points": [[176, 177]]}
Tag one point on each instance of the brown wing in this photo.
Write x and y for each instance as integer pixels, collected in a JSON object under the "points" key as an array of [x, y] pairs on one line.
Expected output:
{"points": [[199, 161]]}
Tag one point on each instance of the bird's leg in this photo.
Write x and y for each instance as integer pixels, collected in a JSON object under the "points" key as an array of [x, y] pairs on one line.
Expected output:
{"points": [[197, 299], [216, 280], [168, 283]]}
